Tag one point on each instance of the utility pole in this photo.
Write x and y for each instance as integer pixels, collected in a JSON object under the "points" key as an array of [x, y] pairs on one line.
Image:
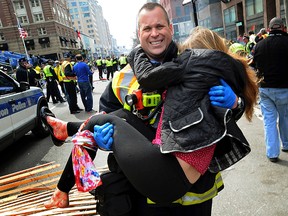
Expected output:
{"points": [[195, 12]]}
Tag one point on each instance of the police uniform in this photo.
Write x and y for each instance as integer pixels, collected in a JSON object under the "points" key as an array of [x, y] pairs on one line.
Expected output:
{"points": [[69, 80], [100, 67], [52, 86], [122, 61]]}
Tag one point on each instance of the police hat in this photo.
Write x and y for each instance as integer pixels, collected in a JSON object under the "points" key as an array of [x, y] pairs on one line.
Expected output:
{"points": [[21, 60]]}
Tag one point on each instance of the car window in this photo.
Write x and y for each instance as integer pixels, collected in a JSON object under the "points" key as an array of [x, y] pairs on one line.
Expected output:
{"points": [[6, 85]]}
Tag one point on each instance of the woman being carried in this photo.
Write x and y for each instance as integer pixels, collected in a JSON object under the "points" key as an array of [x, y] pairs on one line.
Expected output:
{"points": [[193, 73]]}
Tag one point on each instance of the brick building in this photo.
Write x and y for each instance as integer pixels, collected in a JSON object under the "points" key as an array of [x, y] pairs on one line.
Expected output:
{"points": [[48, 23]]}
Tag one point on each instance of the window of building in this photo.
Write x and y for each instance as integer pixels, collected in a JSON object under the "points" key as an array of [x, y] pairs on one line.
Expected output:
{"points": [[231, 35], [176, 30], [83, 3], [42, 31], [85, 9], [178, 11], [187, 10], [205, 23], [38, 17], [254, 7], [86, 15], [2, 38], [30, 47], [23, 19], [230, 15], [35, 3], [45, 45], [73, 4], [19, 4]]}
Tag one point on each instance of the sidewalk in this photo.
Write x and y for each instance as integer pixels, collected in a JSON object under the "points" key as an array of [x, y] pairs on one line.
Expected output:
{"points": [[254, 186]]}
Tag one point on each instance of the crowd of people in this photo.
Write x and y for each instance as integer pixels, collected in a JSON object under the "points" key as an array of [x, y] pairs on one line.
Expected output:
{"points": [[110, 65], [73, 74], [202, 87]]}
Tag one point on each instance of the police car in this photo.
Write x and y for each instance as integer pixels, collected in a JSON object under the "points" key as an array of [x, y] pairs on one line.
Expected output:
{"points": [[20, 107]]}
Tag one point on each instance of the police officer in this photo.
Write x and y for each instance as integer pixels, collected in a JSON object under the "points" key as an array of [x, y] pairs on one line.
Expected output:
{"points": [[22, 72], [100, 67], [52, 85], [109, 67], [248, 45], [115, 63], [122, 61], [69, 79]]}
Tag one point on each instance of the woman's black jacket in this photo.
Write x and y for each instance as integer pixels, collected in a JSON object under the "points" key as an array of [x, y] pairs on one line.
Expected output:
{"points": [[189, 120]]}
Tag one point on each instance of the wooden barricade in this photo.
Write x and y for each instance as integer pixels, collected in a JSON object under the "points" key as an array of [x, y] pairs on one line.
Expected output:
{"points": [[24, 192]]}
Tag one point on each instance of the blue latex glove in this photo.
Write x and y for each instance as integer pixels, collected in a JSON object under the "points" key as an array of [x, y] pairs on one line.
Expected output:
{"points": [[103, 136], [222, 95]]}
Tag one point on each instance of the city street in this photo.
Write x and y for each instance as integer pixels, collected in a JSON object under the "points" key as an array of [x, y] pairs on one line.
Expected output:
{"points": [[253, 187]]}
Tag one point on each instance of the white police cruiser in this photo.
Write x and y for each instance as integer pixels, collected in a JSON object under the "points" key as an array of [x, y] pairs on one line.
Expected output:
{"points": [[20, 107]]}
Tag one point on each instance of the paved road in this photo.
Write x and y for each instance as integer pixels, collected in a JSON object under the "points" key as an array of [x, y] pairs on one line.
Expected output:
{"points": [[254, 186]]}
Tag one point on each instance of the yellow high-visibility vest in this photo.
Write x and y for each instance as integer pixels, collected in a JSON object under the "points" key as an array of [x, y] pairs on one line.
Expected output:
{"points": [[63, 66]]}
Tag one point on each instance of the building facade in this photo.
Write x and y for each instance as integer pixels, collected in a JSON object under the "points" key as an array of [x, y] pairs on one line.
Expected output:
{"points": [[230, 19], [47, 22], [239, 17]]}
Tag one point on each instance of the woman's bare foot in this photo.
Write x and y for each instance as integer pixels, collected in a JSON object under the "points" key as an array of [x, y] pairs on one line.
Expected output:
{"points": [[59, 200], [59, 127]]}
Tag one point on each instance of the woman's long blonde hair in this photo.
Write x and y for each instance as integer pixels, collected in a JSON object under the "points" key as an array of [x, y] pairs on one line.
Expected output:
{"points": [[203, 38]]}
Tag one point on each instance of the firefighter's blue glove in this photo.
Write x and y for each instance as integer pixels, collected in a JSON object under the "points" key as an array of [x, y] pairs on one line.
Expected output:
{"points": [[103, 136], [222, 95]]}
